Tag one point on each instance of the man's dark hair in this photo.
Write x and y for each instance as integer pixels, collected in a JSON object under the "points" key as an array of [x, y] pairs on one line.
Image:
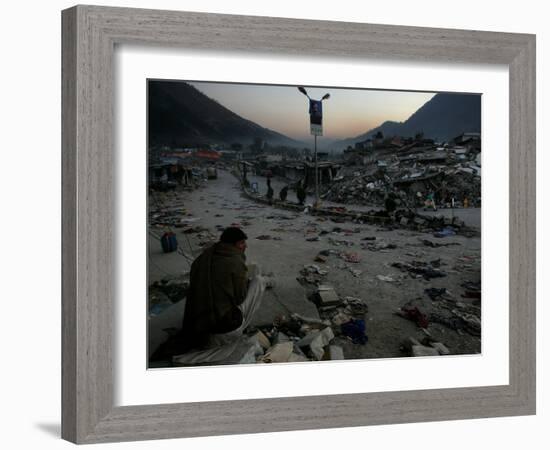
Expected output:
{"points": [[232, 235]]}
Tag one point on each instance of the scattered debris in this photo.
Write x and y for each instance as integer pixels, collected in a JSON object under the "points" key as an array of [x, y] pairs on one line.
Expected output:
{"points": [[310, 321], [290, 326], [339, 242], [472, 290], [340, 318], [385, 278], [437, 244], [459, 322], [320, 258], [312, 274], [425, 269], [350, 257], [355, 306], [435, 293], [377, 246]]}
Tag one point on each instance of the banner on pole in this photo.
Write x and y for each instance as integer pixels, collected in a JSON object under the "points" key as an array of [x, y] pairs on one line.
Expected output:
{"points": [[316, 117]]}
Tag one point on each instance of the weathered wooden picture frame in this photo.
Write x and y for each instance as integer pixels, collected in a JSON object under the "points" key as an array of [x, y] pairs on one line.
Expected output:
{"points": [[90, 34]]}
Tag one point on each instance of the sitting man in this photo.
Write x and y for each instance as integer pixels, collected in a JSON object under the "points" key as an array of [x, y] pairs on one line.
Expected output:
{"points": [[220, 301]]}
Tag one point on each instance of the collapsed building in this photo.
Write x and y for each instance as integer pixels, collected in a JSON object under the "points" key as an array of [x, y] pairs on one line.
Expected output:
{"points": [[452, 173]]}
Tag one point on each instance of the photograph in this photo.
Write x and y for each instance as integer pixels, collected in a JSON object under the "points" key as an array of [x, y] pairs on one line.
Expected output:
{"points": [[292, 224]]}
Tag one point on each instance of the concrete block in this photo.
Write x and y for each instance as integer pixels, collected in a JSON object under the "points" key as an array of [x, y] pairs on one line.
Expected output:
{"points": [[442, 349], [327, 296], [294, 357], [421, 350], [263, 340], [316, 341], [333, 353], [278, 353], [409, 343]]}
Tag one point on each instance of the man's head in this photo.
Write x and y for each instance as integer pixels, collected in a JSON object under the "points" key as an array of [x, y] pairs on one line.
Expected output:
{"points": [[234, 236]]}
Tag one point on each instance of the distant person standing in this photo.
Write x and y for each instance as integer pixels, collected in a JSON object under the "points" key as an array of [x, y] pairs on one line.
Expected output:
{"points": [[465, 203], [390, 203], [270, 192], [283, 193], [301, 193], [430, 202]]}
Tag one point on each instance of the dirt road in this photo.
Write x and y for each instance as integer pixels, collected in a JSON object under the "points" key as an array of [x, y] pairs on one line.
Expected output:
{"points": [[283, 242]]}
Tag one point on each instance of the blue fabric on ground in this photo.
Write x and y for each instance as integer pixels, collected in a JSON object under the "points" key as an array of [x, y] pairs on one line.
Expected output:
{"points": [[448, 231], [355, 329]]}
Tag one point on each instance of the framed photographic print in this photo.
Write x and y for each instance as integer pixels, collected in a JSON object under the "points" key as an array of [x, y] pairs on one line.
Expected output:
{"points": [[246, 201]]}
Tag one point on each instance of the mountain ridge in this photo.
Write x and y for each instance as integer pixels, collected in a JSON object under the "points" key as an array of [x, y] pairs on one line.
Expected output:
{"points": [[441, 118], [181, 115]]}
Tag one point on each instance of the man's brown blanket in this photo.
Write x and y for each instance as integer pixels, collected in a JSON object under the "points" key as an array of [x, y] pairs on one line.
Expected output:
{"points": [[218, 284]]}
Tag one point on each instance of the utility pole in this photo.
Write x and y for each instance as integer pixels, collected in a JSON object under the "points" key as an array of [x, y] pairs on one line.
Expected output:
{"points": [[316, 129], [316, 173]]}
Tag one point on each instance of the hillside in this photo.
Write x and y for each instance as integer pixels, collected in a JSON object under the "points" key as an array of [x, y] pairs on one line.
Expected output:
{"points": [[443, 117], [181, 115]]}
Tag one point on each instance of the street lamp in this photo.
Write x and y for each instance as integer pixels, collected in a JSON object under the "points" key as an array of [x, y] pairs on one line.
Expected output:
{"points": [[316, 120]]}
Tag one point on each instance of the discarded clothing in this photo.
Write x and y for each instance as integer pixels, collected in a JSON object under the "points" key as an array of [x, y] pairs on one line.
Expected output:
{"points": [[414, 314], [447, 231], [355, 329]]}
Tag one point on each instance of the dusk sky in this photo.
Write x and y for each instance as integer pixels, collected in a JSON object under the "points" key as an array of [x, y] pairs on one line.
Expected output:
{"points": [[348, 112]]}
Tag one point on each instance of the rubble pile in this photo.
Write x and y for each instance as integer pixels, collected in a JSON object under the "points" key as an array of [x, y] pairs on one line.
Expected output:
{"points": [[450, 172], [360, 191], [345, 314]]}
